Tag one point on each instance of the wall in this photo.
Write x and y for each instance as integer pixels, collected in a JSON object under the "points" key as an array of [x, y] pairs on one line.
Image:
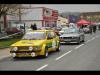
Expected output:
{"points": [[12, 17], [1, 23], [32, 14]]}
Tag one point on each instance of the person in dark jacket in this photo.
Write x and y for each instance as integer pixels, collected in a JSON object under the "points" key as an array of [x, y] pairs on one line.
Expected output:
{"points": [[34, 27], [99, 27], [90, 27], [94, 28]]}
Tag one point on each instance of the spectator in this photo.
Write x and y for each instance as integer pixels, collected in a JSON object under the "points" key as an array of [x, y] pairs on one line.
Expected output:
{"points": [[34, 27], [94, 28], [90, 27], [99, 27]]}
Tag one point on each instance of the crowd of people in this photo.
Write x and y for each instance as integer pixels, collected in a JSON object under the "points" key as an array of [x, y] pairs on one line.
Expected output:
{"points": [[92, 28], [34, 26]]}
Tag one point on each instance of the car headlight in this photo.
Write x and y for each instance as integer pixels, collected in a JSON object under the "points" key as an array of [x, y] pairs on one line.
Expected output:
{"points": [[61, 37], [30, 48], [15, 48], [37, 48]]}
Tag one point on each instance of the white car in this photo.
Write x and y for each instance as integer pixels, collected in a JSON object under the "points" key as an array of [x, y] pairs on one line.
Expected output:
{"points": [[72, 35]]}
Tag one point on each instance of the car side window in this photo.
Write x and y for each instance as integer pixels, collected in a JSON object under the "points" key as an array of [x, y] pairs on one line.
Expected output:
{"points": [[53, 34], [49, 35]]}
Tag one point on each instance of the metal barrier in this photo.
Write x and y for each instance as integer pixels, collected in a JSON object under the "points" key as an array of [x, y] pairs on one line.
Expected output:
{"points": [[9, 35]]}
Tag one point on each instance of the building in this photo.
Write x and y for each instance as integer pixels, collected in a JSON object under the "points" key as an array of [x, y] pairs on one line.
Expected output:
{"points": [[62, 21], [41, 16], [91, 16]]}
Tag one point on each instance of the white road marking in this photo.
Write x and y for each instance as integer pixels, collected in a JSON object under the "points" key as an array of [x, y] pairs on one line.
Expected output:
{"points": [[79, 46], [63, 55], [93, 38], [42, 67], [88, 41]]}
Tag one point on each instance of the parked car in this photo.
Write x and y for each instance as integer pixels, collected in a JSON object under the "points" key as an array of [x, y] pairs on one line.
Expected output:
{"points": [[36, 43], [12, 30], [71, 35]]}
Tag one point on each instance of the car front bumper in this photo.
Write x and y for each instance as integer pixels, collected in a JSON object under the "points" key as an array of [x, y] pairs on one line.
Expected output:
{"points": [[24, 53], [69, 40]]}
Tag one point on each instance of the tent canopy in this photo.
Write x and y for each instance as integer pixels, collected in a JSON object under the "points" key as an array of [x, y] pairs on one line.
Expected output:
{"points": [[83, 22]]}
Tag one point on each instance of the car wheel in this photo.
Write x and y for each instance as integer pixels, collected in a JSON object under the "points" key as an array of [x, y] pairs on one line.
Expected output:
{"points": [[46, 53], [58, 49]]}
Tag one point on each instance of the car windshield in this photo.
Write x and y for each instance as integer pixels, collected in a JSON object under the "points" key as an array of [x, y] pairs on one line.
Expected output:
{"points": [[34, 36], [70, 30]]}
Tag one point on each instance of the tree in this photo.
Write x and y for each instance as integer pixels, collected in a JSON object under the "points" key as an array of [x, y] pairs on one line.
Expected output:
{"points": [[8, 8]]}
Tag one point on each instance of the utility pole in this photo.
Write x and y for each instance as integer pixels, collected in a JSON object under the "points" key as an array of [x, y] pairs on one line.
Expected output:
{"points": [[19, 14], [30, 6]]}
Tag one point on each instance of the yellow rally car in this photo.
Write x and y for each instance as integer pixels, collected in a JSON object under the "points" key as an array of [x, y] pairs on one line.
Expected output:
{"points": [[36, 43]]}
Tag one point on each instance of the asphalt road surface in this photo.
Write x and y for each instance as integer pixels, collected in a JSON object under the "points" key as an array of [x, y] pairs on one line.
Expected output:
{"points": [[85, 56]]}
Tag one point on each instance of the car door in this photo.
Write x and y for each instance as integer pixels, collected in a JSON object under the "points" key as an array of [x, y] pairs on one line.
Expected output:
{"points": [[49, 41], [54, 41]]}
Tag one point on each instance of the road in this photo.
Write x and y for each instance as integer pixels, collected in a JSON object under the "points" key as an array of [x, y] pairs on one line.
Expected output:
{"points": [[85, 56]]}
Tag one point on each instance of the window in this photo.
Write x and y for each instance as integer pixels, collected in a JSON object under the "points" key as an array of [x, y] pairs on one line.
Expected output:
{"points": [[51, 35]]}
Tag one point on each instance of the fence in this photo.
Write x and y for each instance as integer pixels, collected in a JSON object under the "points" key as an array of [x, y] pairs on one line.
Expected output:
{"points": [[8, 36]]}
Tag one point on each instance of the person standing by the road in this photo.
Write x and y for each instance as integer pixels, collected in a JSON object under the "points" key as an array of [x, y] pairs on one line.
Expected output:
{"points": [[94, 28], [90, 27], [99, 27], [34, 27]]}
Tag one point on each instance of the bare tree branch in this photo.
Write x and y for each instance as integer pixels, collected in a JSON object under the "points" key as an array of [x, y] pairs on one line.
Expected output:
{"points": [[8, 8]]}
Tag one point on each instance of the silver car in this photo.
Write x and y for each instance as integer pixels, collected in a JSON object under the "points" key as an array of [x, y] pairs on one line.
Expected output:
{"points": [[72, 35]]}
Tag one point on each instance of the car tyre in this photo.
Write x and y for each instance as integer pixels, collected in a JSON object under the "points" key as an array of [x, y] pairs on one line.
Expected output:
{"points": [[58, 49], [46, 53]]}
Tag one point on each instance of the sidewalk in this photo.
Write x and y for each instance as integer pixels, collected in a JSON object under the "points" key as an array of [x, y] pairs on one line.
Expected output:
{"points": [[4, 53]]}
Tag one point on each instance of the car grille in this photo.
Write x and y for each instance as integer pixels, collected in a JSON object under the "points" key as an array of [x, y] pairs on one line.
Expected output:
{"points": [[68, 37], [22, 48]]}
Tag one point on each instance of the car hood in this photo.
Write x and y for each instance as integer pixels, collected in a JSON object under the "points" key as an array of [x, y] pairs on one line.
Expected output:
{"points": [[28, 43], [70, 35]]}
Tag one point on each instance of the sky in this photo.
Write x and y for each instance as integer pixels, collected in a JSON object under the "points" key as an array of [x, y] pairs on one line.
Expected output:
{"points": [[71, 7]]}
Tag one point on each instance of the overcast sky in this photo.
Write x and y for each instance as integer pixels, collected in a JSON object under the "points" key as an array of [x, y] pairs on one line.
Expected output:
{"points": [[71, 7]]}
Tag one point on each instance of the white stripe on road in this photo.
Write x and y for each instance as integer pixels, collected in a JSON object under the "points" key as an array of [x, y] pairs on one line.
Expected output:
{"points": [[42, 67], [88, 41], [79, 46], [93, 38], [63, 55]]}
